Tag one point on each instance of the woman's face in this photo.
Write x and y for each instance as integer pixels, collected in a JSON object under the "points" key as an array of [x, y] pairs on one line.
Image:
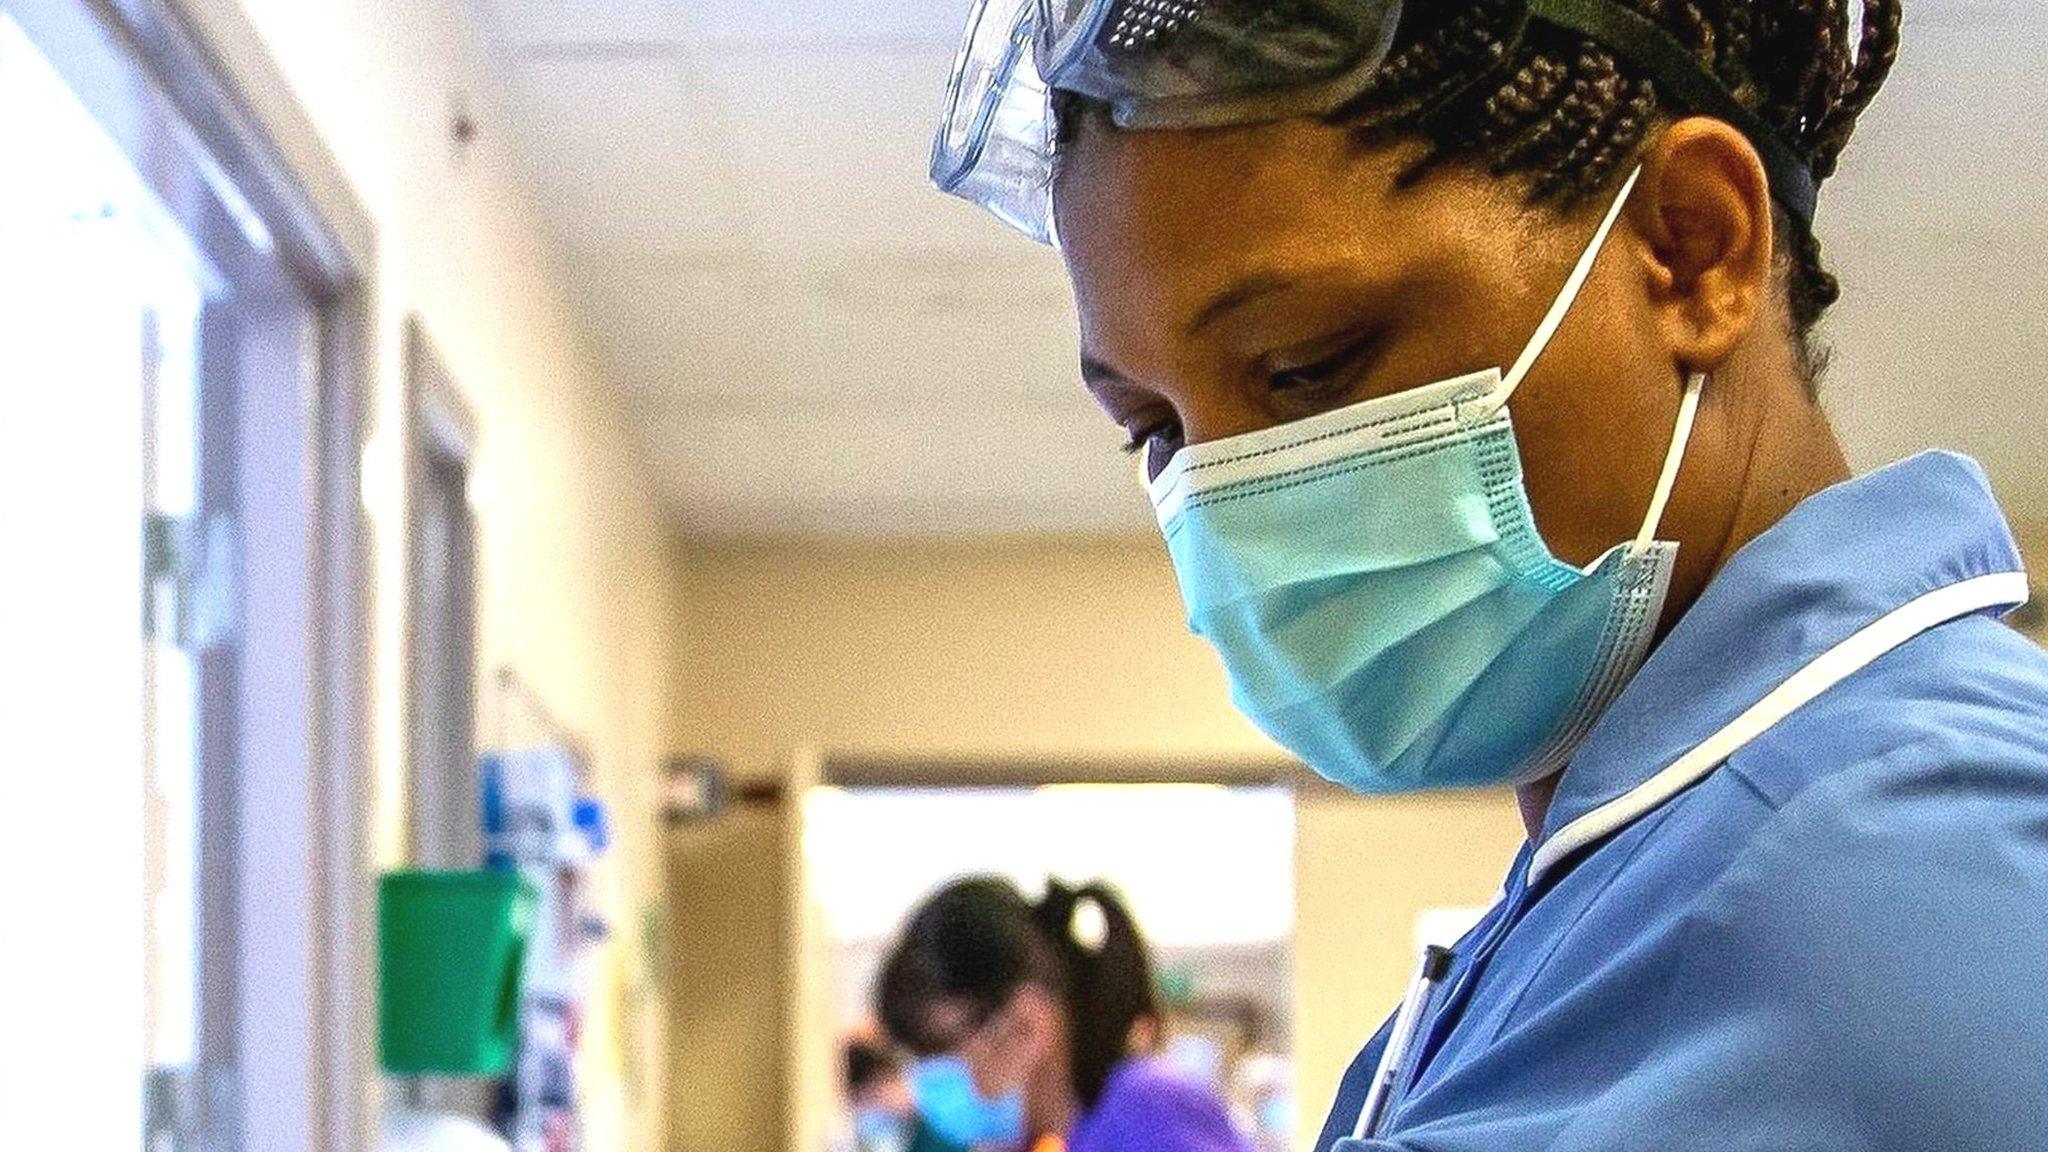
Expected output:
{"points": [[1009, 1050], [1235, 279]]}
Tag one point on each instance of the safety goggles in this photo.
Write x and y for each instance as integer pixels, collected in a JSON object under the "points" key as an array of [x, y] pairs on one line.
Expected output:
{"points": [[1208, 63]]}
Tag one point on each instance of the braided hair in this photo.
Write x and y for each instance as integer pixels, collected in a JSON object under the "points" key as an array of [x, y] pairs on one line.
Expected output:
{"points": [[1567, 116], [977, 941]]}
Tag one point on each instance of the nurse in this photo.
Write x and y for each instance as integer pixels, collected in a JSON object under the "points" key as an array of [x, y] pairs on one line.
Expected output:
{"points": [[1470, 350], [1035, 1024]]}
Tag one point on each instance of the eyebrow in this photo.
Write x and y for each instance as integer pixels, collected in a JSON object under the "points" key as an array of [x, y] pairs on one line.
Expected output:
{"points": [[1244, 291], [1253, 287], [1095, 372]]}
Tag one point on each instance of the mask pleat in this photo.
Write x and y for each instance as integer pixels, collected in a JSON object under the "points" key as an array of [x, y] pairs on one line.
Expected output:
{"points": [[1316, 659]]}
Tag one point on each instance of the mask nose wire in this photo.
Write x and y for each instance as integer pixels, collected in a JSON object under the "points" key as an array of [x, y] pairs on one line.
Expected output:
{"points": [[1560, 307]]}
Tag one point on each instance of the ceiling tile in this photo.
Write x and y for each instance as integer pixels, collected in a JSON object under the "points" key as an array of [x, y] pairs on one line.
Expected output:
{"points": [[836, 154], [630, 154], [525, 24]]}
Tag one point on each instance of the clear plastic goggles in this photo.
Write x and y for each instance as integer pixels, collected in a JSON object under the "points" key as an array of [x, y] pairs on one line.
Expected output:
{"points": [[1155, 63], [1207, 63]]}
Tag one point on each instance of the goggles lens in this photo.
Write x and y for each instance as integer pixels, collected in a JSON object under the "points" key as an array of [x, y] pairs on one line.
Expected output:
{"points": [[992, 48], [995, 146], [1157, 63]]}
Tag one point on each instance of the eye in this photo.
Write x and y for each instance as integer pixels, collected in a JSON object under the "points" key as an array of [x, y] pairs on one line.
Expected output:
{"points": [[1158, 441], [1334, 374], [1144, 437]]}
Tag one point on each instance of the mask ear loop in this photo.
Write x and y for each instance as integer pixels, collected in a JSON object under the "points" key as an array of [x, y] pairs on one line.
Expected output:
{"points": [[1688, 404], [1674, 457], [1562, 306]]}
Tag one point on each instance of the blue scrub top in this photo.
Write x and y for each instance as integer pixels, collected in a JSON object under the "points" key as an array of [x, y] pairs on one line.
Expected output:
{"points": [[1835, 937]]}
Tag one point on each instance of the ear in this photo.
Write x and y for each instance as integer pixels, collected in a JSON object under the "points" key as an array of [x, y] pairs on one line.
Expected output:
{"points": [[1704, 209]]}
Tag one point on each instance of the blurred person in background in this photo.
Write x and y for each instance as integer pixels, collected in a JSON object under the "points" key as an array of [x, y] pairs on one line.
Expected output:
{"points": [[1037, 1022], [1471, 348], [882, 1116]]}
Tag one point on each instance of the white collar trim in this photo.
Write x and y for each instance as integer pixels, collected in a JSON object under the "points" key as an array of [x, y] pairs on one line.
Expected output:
{"points": [[1828, 669]]}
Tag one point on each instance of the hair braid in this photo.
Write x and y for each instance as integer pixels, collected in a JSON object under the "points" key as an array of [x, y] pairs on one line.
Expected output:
{"points": [[1598, 99], [1877, 51], [1478, 81], [1570, 118], [1630, 127]]}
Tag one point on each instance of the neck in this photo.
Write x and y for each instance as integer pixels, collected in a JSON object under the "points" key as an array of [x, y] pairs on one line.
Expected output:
{"points": [[1784, 451], [1794, 455], [1534, 799]]}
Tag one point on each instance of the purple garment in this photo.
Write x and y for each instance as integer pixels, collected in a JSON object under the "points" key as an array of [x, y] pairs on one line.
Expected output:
{"points": [[1148, 1107]]}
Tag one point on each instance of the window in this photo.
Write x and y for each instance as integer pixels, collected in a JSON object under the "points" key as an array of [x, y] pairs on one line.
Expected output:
{"points": [[177, 483]]}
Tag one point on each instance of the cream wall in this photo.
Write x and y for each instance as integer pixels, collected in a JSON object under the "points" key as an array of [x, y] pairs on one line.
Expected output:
{"points": [[1069, 649], [1364, 872], [730, 943], [1074, 651], [576, 586]]}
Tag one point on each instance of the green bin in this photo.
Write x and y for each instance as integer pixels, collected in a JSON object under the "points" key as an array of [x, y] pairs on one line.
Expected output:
{"points": [[450, 949]]}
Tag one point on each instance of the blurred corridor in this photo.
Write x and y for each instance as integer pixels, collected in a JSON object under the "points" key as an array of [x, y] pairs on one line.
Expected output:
{"points": [[569, 441]]}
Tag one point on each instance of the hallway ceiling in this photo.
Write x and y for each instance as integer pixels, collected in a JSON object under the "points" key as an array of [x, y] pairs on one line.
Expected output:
{"points": [[814, 342]]}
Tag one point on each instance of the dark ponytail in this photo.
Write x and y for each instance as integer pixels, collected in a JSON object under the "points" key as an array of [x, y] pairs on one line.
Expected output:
{"points": [[1109, 982], [977, 941]]}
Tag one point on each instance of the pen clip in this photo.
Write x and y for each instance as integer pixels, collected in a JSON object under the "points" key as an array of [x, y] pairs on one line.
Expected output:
{"points": [[1429, 974]]}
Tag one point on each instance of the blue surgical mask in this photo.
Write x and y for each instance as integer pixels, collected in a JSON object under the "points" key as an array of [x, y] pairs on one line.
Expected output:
{"points": [[948, 1100], [1375, 585], [880, 1129]]}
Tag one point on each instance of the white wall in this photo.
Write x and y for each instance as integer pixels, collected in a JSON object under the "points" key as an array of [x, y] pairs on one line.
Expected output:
{"points": [[576, 591]]}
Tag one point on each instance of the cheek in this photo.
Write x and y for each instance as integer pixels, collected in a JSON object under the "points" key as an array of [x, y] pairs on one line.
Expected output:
{"points": [[1016, 1060], [1593, 423], [998, 1069]]}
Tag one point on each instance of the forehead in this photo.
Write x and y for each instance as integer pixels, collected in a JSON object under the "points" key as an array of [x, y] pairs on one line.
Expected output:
{"points": [[1202, 196], [1163, 221]]}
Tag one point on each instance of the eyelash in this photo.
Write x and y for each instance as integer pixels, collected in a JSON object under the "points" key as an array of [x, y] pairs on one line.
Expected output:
{"points": [[1324, 373], [1143, 437]]}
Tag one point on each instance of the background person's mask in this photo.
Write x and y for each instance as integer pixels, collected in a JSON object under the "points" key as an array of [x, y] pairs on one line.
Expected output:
{"points": [[878, 1129], [943, 1087], [1375, 584]]}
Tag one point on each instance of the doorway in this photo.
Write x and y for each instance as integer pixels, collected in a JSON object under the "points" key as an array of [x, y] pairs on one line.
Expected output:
{"points": [[1207, 871]]}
